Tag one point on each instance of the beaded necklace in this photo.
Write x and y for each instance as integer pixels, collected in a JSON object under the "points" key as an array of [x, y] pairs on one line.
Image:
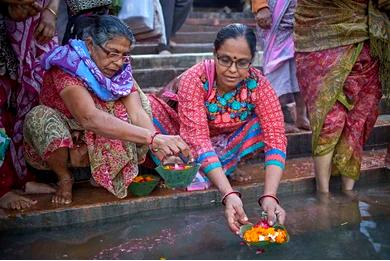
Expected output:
{"points": [[233, 106]]}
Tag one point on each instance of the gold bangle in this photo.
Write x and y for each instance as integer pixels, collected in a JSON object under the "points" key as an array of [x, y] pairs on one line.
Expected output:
{"points": [[51, 11]]}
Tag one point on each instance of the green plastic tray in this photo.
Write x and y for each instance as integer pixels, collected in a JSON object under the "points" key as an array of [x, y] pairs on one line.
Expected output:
{"points": [[141, 189], [178, 178], [262, 244]]}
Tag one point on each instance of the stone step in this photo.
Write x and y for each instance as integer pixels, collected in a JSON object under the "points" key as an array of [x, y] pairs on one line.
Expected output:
{"points": [[299, 144], [220, 22], [91, 204], [191, 37], [186, 60], [199, 28], [384, 106], [153, 77], [221, 15], [207, 5], [151, 48], [158, 70]]}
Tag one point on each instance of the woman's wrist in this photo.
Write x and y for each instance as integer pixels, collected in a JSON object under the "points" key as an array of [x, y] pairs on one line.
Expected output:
{"points": [[151, 137], [51, 11], [226, 195], [273, 196]]}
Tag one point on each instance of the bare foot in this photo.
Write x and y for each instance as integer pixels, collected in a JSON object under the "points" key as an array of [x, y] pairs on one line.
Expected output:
{"points": [[165, 52], [33, 187], [172, 43], [64, 192], [290, 128], [11, 200], [303, 123], [240, 175]]}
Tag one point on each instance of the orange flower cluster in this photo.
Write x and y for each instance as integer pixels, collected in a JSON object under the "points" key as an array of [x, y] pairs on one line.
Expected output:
{"points": [[140, 179], [177, 167], [258, 233]]}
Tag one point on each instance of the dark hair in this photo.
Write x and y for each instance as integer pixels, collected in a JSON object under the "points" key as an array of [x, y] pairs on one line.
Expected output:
{"points": [[101, 28], [235, 31]]}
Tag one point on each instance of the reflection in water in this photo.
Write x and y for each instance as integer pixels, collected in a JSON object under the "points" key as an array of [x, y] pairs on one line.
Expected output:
{"points": [[320, 226]]}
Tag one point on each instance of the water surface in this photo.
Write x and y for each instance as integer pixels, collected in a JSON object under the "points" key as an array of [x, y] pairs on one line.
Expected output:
{"points": [[339, 227]]}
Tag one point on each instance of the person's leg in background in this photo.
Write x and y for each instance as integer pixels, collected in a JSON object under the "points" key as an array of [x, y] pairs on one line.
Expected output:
{"points": [[175, 12], [284, 81], [387, 159], [301, 119], [168, 7], [182, 9], [289, 112]]}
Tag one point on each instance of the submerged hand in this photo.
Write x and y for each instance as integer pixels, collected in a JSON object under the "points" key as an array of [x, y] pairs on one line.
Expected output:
{"points": [[264, 18], [274, 211], [234, 213]]}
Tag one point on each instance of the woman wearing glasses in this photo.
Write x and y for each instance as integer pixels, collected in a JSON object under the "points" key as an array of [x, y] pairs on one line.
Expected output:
{"points": [[93, 113], [227, 110]]}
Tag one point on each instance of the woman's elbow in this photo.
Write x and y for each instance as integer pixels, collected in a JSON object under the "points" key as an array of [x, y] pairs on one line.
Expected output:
{"points": [[87, 120]]}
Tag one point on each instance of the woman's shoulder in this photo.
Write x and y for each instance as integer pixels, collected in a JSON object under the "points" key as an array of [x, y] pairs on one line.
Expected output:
{"points": [[196, 71], [257, 75], [193, 81], [61, 79], [56, 79], [262, 82]]}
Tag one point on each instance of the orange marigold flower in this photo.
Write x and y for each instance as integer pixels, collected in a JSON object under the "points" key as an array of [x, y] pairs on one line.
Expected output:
{"points": [[258, 233], [138, 179]]}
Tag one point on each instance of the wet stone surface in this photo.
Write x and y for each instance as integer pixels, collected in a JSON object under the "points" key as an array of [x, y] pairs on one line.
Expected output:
{"points": [[320, 227]]}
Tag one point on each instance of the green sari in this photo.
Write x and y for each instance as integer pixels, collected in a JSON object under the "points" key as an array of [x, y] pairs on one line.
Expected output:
{"points": [[338, 44]]}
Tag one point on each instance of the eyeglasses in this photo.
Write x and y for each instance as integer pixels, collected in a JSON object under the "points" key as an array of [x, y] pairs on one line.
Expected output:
{"points": [[226, 61], [126, 59]]}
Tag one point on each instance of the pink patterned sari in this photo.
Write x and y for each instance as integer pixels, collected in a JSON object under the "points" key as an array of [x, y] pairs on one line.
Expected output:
{"points": [[341, 88], [25, 95], [278, 41]]}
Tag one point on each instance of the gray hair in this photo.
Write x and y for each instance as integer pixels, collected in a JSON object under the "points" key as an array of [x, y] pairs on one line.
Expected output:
{"points": [[102, 28]]}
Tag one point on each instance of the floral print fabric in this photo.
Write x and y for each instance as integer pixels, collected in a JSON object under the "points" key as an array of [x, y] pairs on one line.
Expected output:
{"points": [[341, 89], [114, 163]]}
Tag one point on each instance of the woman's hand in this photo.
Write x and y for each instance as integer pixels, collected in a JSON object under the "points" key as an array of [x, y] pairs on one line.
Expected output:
{"points": [[168, 145], [20, 12], [18, 2], [274, 211], [264, 18], [46, 28], [234, 213]]}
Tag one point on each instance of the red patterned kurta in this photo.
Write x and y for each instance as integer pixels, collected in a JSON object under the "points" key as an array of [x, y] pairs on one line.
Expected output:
{"points": [[262, 128]]}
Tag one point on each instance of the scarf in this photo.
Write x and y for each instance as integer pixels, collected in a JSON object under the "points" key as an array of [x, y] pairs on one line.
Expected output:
{"points": [[75, 59]]}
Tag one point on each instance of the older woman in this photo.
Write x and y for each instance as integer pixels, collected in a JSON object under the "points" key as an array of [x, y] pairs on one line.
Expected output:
{"points": [[93, 112], [226, 110]]}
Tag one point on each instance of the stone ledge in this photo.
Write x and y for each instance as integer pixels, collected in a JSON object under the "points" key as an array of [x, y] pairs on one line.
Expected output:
{"points": [[96, 204]]}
